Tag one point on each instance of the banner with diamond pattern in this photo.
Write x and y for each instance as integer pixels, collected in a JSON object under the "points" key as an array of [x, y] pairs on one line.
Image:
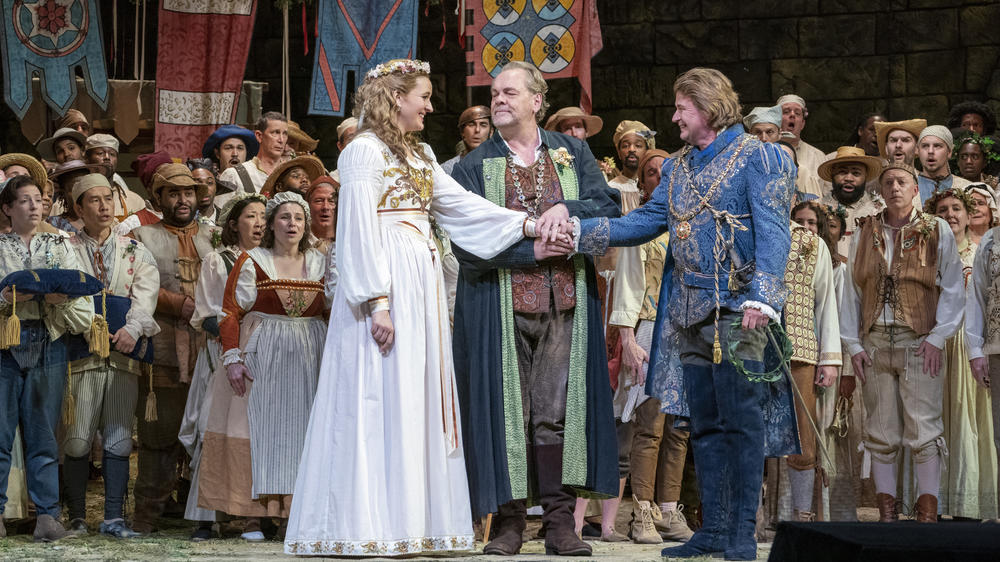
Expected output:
{"points": [[559, 37]]}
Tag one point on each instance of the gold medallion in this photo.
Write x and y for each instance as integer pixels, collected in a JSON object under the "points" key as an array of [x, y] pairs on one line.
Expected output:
{"points": [[683, 230]]}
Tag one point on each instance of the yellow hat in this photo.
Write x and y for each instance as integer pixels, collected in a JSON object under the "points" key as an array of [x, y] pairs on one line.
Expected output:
{"points": [[637, 128], [846, 154], [306, 143], [883, 128]]}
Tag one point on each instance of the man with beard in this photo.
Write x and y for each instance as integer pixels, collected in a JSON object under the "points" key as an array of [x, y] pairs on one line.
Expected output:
{"points": [[271, 131], [848, 172], [474, 127], [103, 149], [764, 123], [793, 120], [632, 139], [897, 140], [934, 147], [230, 145], [177, 243]]}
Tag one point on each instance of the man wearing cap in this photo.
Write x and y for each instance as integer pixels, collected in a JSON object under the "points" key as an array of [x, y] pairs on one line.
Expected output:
{"points": [[271, 131], [764, 123], [63, 213], [106, 390], [903, 297], [345, 134], [230, 145], [65, 145], [897, 140], [474, 127], [934, 147], [103, 149], [793, 120], [177, 243], [76, 120], [849, 171], [294, 175]]}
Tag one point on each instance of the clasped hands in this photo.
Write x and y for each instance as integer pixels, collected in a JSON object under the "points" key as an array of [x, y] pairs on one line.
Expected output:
{"points": [[554, 233]]}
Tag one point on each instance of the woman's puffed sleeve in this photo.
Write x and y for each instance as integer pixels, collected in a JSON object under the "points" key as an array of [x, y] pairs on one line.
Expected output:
{"points": [[239, 296], [472, 222], [363, 274]]}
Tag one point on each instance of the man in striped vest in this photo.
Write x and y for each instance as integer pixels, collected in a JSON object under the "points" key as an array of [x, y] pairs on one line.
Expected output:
{"points": [[903, 297]]}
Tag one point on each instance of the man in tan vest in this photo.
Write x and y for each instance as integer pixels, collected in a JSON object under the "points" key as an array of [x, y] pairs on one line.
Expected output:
{"points": [[903, 297], [177, 243]]}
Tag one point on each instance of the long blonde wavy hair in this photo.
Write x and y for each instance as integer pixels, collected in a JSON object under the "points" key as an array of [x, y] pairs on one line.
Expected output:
{"points": [[376, 101]]}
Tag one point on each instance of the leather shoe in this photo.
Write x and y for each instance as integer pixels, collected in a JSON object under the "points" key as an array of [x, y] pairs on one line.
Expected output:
{"points": [[886, 508], [47, 529], [927, 508]]}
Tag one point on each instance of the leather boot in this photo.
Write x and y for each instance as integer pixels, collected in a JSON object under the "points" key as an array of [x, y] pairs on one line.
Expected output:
{"points": [[3, 529], [508, 537], [558, 502], [153, 485], [47, 529], [926, 508], [887, 508]]}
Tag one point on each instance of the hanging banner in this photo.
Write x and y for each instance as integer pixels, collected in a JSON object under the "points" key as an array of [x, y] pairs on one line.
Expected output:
{"points": [[52, 38], [200, 60], [355, 36], [559, 37]]}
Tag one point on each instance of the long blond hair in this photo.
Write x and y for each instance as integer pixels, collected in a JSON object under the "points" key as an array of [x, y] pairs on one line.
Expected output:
{"points": [[376, 109], [712, 92]]}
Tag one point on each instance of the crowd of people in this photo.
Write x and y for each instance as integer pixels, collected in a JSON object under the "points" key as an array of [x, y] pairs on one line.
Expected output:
{"points": [[363, 360]]}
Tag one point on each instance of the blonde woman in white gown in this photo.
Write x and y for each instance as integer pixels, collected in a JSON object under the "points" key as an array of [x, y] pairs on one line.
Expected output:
{"points": [[382, 472]]}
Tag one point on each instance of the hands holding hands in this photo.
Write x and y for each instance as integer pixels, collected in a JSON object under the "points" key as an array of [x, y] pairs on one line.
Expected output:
{"points": [[554, 233]]}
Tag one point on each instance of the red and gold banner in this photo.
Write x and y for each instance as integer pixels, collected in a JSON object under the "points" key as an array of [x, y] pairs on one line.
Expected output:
{"points": [[200, 61]]}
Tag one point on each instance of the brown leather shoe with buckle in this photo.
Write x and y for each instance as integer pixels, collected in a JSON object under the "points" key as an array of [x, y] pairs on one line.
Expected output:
{"points": [[886, 508], [927, 509]]}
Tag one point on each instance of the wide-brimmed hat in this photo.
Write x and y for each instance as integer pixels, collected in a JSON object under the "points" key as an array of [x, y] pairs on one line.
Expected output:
{"points": [[226, 132], [851, 154], [592, 123], [311, 164], [46, 146], [76, 166], [175, 174], [883, 128], [30, 163], [306, 143]]}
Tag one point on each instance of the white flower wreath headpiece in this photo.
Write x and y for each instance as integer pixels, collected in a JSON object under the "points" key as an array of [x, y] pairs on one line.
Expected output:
{"points": [[402, 66]]}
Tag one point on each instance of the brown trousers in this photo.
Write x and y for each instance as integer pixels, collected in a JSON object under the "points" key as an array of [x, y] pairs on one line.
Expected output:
{"points": [[658, 454], [159, 450], [804, 376]]}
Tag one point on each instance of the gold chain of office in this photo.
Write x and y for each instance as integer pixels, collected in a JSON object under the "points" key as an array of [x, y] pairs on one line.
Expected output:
{"points": [[683, 227]]}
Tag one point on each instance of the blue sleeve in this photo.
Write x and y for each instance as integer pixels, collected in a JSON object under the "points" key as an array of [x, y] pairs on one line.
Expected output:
{"points": [[637, 227], [771, 182]]}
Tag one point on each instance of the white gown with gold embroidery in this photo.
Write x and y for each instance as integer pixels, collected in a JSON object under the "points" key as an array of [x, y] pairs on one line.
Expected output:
{"points": [[382, 472]]}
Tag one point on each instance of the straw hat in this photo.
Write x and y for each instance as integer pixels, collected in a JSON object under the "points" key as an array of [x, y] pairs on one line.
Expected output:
{"points": [[846, 154], [306, 143], [592, 123], [311, 164], [34, 167], [883, 128]]}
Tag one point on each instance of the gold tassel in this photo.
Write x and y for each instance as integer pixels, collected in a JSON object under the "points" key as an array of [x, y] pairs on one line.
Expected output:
{"points": [[69, 403], [151, 415], [716, 349], [100, 334], [10, 333]]}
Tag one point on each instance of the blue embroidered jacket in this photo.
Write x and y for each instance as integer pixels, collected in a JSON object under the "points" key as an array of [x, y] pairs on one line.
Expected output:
{"points": [[738, 242]]}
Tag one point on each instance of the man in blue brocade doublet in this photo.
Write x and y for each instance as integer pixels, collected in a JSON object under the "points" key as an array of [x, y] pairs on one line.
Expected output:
{"points": [[725, 200]]}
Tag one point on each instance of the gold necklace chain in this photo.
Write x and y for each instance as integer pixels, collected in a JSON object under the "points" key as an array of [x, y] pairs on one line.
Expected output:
{"points": [[711, 190]]}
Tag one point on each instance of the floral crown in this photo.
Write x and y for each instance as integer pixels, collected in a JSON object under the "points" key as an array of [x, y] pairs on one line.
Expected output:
{"points": [[401, 66], [930, 206]]}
